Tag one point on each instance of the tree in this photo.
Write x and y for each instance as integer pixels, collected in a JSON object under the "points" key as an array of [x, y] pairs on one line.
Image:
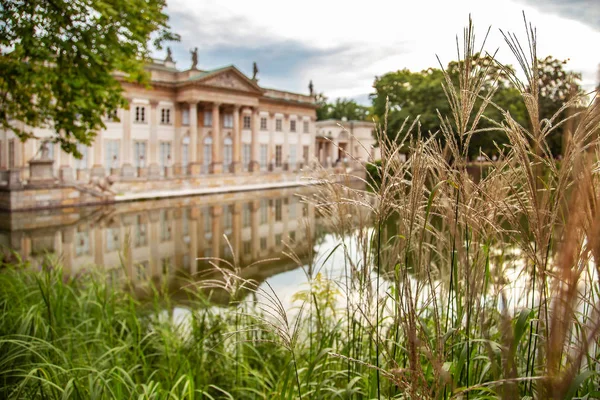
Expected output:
{"points": [[59, 60], [342, 108], [421, 93]]}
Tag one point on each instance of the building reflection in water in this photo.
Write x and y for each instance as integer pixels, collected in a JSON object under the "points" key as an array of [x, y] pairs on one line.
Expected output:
{"points": [[161, 240]]}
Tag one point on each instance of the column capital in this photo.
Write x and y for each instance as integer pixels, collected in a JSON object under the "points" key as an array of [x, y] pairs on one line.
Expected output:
{"points": [[216, 104], [237, 107], [191, 102], [154, 103]]}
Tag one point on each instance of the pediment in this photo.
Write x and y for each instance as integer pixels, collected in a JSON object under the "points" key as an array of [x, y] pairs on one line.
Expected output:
{"points": [[231, 79]]}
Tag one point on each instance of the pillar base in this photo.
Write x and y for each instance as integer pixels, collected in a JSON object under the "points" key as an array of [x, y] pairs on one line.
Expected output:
{"points": [[254, 166], [14, 179], [154, 171], [216, 168], [98, 171], [271, 167], [83, 175], [236, 168], [142, 172], [286, 166], [115, 171], [194, 169], [168, 172], [179, 170], [128, 171], [65, 174]]}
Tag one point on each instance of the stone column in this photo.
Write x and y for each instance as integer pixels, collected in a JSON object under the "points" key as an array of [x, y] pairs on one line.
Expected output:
{"points": [[237, 140], [127, 170], [254, 224], [217, 145], [194, 166], [97, 167], [255, 145], [153, 167], [193, 253], [271, 148], [285, 150], [217, 211], [236, 229]]}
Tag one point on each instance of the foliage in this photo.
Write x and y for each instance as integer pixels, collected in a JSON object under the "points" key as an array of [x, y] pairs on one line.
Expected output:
{"points": [[342, 108], [421, 93], [59, 62]]}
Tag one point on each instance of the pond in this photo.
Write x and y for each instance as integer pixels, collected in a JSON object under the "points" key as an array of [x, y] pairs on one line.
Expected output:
{"points": [[271, 236]]}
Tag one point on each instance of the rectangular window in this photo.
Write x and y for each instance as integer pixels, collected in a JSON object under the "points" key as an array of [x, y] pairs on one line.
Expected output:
{"points": [[207, 216], [207, 118], [292, 209], [141, 236], [50, 146], [83, 161], [278, 239], [292, 236], [263, 243], [112, 239], [111, 154], [185, 154], [82, 243], [142, 270], [185, 117], [165, 226], [264, 211], [305, 126], [278, 209], [247, 122], [228, 121], [305, 153], [165, 116], [247, 248], [264, 151], [246, 155], [278, 155], [11, 153], [139, 150], [263, 123], [278, 125], [293, 125], [246, 216], [140, 114], [293, 155], [167, 266], [165, 156]]}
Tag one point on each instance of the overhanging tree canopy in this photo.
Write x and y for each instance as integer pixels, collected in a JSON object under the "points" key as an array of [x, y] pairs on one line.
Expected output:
{"points": [[58, 59]]}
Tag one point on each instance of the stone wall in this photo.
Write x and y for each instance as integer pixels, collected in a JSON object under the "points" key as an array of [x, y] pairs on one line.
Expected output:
{"points": [[113, 190]]}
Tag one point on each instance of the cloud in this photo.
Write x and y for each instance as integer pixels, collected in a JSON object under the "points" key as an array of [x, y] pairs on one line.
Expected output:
{"points": [[585, 11], [341, 46]]}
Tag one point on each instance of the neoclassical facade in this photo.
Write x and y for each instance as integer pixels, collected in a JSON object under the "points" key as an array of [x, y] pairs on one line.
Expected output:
{"points": [[345, 142], [188, 124]]}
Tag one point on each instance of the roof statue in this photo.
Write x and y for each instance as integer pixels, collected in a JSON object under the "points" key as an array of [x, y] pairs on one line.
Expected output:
{"points": [[254, 70], [311, 88], [194, 54], [169, 55]]}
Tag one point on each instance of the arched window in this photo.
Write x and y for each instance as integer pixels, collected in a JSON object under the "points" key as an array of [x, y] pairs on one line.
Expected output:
{"points": [[207, 153], [227, 153]]}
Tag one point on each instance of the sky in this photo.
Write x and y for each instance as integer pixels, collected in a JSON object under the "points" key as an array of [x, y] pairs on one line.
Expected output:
{"points": [[342, 45]]}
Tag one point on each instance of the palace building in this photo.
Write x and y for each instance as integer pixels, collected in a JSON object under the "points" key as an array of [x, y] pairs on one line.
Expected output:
{"points": [[190, 132]]}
